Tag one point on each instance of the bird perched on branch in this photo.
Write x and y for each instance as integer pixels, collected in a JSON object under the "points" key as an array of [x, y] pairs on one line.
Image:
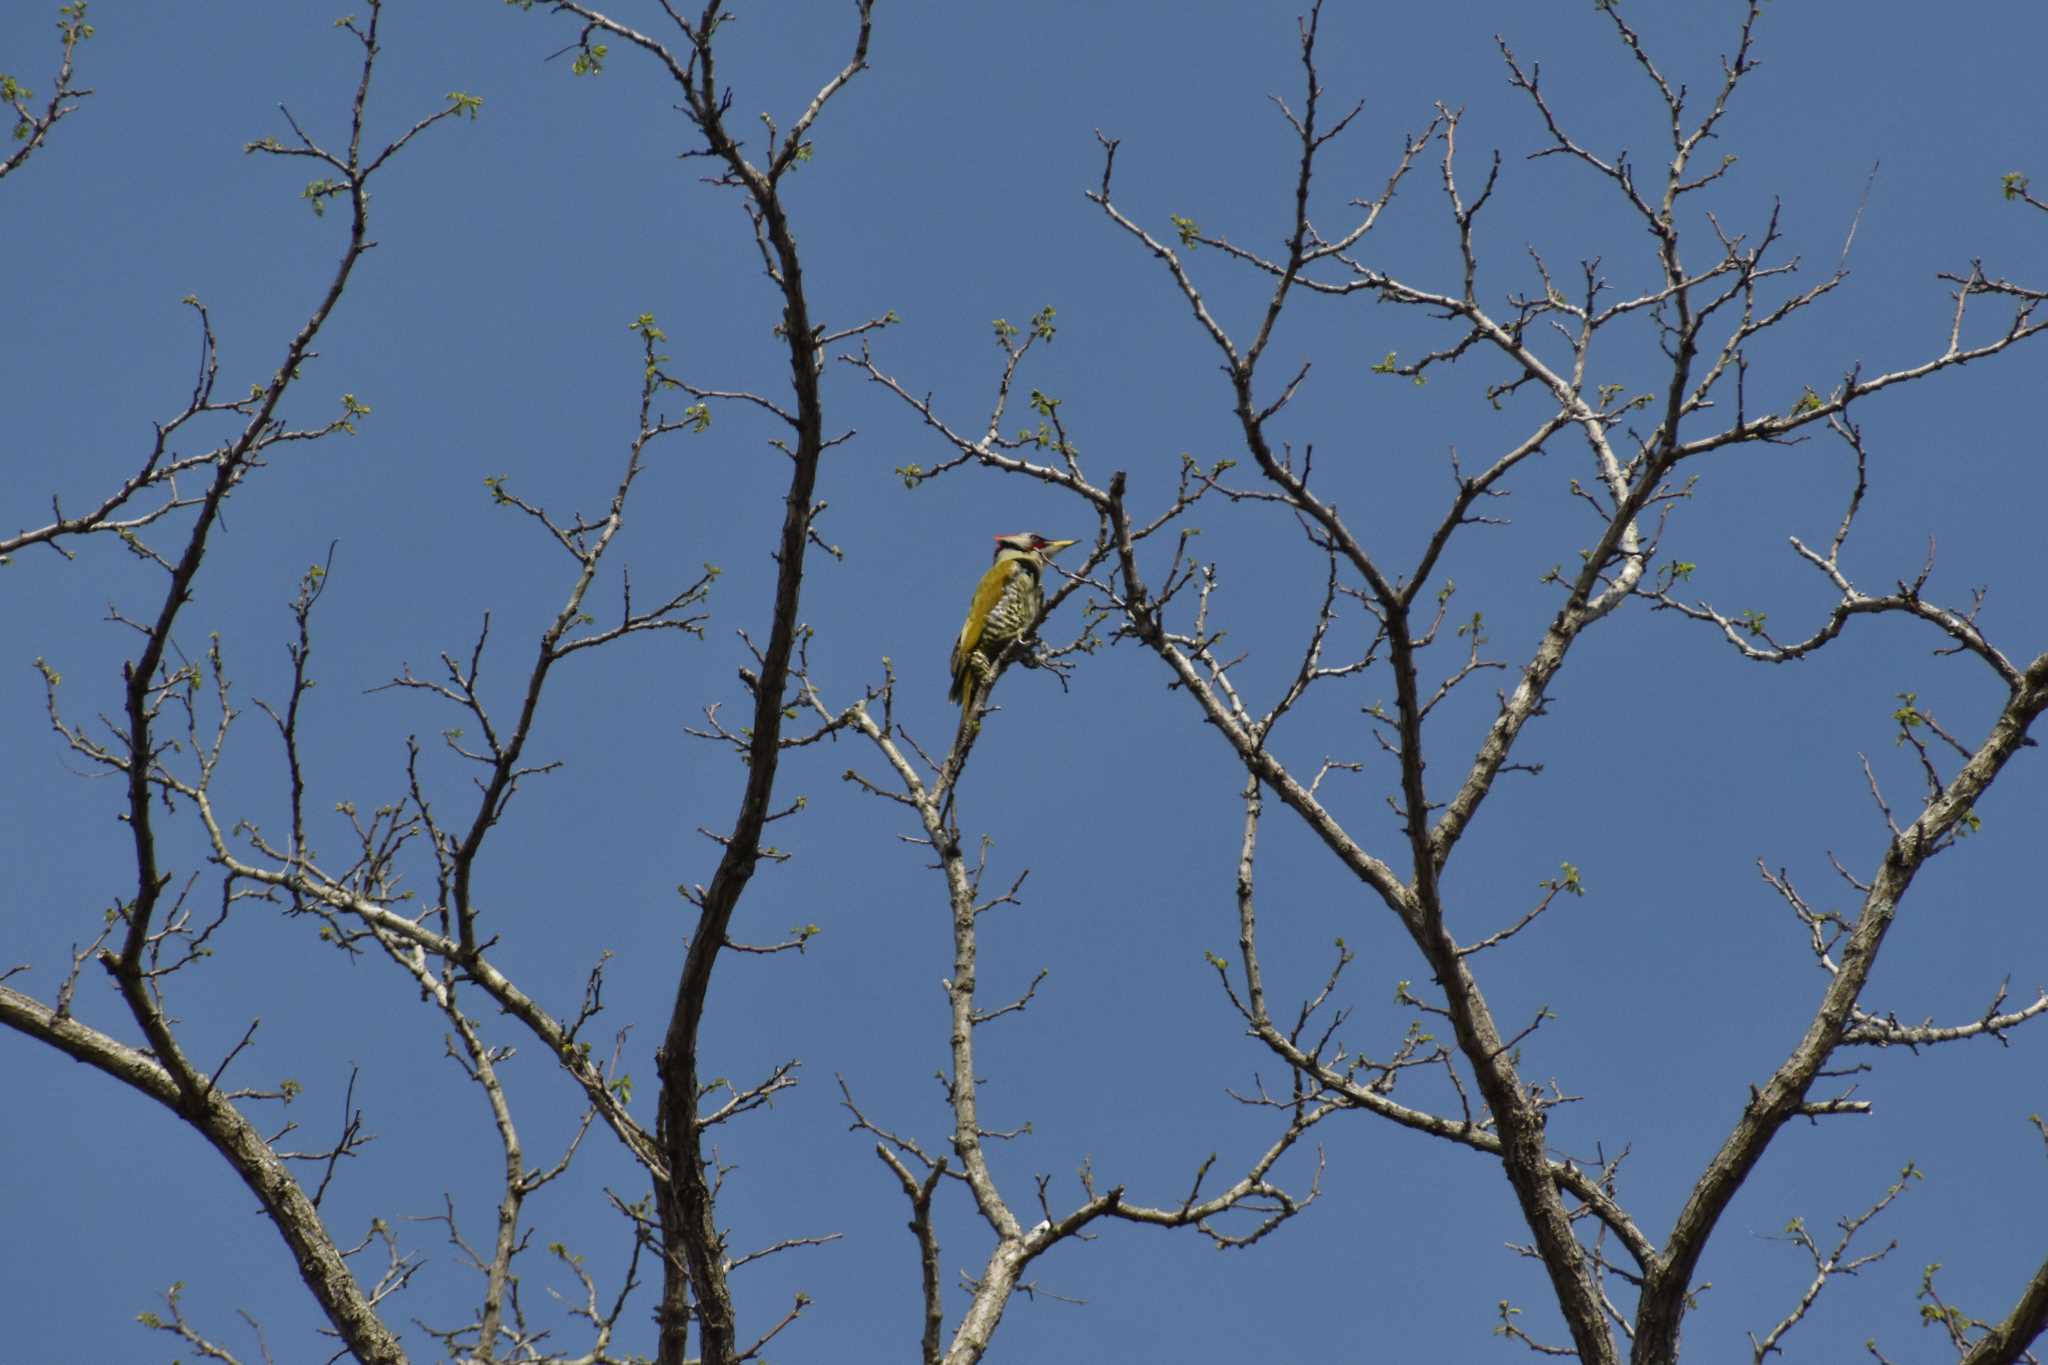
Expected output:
{"points": [[1006, 606]]}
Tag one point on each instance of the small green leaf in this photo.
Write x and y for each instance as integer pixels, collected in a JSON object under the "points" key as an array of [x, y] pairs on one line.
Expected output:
{"points": [[316, 193], [351, 409]]}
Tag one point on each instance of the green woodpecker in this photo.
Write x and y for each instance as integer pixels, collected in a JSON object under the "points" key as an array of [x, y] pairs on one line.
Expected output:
{"points": [[1006, 605]]}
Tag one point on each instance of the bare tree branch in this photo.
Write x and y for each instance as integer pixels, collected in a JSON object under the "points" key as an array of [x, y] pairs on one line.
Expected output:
{"points": [[31, 127]]}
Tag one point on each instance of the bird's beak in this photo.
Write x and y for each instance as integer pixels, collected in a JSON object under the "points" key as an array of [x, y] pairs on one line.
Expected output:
{"points": [[1053, 547]]}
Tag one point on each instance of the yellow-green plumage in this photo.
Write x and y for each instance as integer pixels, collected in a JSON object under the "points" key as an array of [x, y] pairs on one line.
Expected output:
{"points": [[1005, 609]]}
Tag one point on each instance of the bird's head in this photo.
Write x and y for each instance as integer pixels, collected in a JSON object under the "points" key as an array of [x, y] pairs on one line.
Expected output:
{"points": [[1030, 545]]}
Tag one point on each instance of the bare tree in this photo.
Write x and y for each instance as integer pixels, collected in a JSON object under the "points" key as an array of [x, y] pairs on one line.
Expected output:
{"points": [[404, 891], [170, 744], [151, 936], [1619, 1288], [363, 905]]}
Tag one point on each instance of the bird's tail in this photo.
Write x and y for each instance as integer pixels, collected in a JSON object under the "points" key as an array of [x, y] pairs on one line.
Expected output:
{"points": [[969, 695]]}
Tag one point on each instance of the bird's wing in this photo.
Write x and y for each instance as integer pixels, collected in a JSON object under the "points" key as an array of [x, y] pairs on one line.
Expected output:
{"points": [[986, 594]]}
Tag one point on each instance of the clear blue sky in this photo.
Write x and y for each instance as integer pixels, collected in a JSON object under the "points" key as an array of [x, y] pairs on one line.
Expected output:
{"points": [[489, 332]]}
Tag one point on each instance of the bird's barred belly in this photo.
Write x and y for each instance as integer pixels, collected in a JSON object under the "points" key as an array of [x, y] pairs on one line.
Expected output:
{"points": [[1016, 611]]}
